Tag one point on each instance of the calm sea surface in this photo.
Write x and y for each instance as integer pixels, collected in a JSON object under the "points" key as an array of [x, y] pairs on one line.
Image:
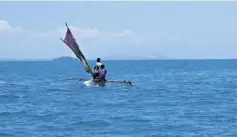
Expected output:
{"points": [[185, 98]]}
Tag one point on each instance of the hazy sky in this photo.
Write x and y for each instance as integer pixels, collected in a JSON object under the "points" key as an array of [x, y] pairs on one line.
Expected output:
{"points": [[119, 29]]}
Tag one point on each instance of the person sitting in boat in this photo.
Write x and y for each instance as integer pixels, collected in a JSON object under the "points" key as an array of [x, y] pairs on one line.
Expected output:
{"points": [[98, 63], [96, 74], [102, 73], [96, 68]]}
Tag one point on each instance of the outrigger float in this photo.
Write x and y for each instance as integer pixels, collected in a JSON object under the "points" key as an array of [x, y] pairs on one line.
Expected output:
{"points": [[70, 41]]}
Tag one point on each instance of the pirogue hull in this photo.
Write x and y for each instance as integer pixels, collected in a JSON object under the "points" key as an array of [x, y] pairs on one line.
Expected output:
{"points": [[88, 81], [95, 83]]}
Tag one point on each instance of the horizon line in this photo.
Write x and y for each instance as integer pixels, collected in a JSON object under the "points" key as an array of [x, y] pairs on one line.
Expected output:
{"points": [[54, 59]]}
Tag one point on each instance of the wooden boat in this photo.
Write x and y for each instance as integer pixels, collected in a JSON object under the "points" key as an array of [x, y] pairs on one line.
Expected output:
{"points": [[70, 41]]}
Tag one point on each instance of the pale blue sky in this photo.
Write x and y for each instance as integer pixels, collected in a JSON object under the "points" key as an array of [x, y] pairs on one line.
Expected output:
{"points": [[181, 30]]}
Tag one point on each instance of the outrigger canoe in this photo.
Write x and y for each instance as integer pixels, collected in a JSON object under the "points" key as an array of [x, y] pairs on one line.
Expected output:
{"points": [[70, 41]]}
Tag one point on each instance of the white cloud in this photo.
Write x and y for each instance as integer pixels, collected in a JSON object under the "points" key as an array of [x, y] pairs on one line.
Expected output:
{"points": [[98, 35], [4, 26], [125, 32], [80, 32], [95, 42], [22, 43]]}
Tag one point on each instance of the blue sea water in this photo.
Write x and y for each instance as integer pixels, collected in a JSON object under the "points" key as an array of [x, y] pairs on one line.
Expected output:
{"points": [[170, 98]]}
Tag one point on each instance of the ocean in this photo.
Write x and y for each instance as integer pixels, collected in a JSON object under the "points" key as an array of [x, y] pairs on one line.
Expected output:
{"points": [[170, 98]]}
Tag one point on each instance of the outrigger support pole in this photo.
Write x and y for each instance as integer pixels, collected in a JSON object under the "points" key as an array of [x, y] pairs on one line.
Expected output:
{"points": [[116, 81]]}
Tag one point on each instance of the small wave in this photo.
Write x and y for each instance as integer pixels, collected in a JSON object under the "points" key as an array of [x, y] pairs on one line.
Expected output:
{"points": [[7, 113], [10, 97], [2, 82], [6, 135], [116, 104], [20, 83], [23, 83], [92, 123], [57, 89], [43, 115]]}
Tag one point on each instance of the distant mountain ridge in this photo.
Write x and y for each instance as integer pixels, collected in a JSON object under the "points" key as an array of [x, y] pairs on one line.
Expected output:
{"points": [[139, 57], [65, 58], [7, 59]]}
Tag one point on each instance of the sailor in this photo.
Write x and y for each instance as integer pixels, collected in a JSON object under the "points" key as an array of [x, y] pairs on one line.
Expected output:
{"points": [[96, 68], [98, 63], [102, 73], [95, 74]]}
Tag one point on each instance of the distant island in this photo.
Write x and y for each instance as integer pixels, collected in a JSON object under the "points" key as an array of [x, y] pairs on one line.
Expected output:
{"points": [[65, 58]]}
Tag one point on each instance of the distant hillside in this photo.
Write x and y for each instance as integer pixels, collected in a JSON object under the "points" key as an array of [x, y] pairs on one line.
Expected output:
{"points": [[65, 58], [7, 59], [138, 57]]}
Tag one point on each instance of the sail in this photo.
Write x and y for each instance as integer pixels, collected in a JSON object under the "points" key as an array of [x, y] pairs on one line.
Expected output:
{"points": [[70, 41]]}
